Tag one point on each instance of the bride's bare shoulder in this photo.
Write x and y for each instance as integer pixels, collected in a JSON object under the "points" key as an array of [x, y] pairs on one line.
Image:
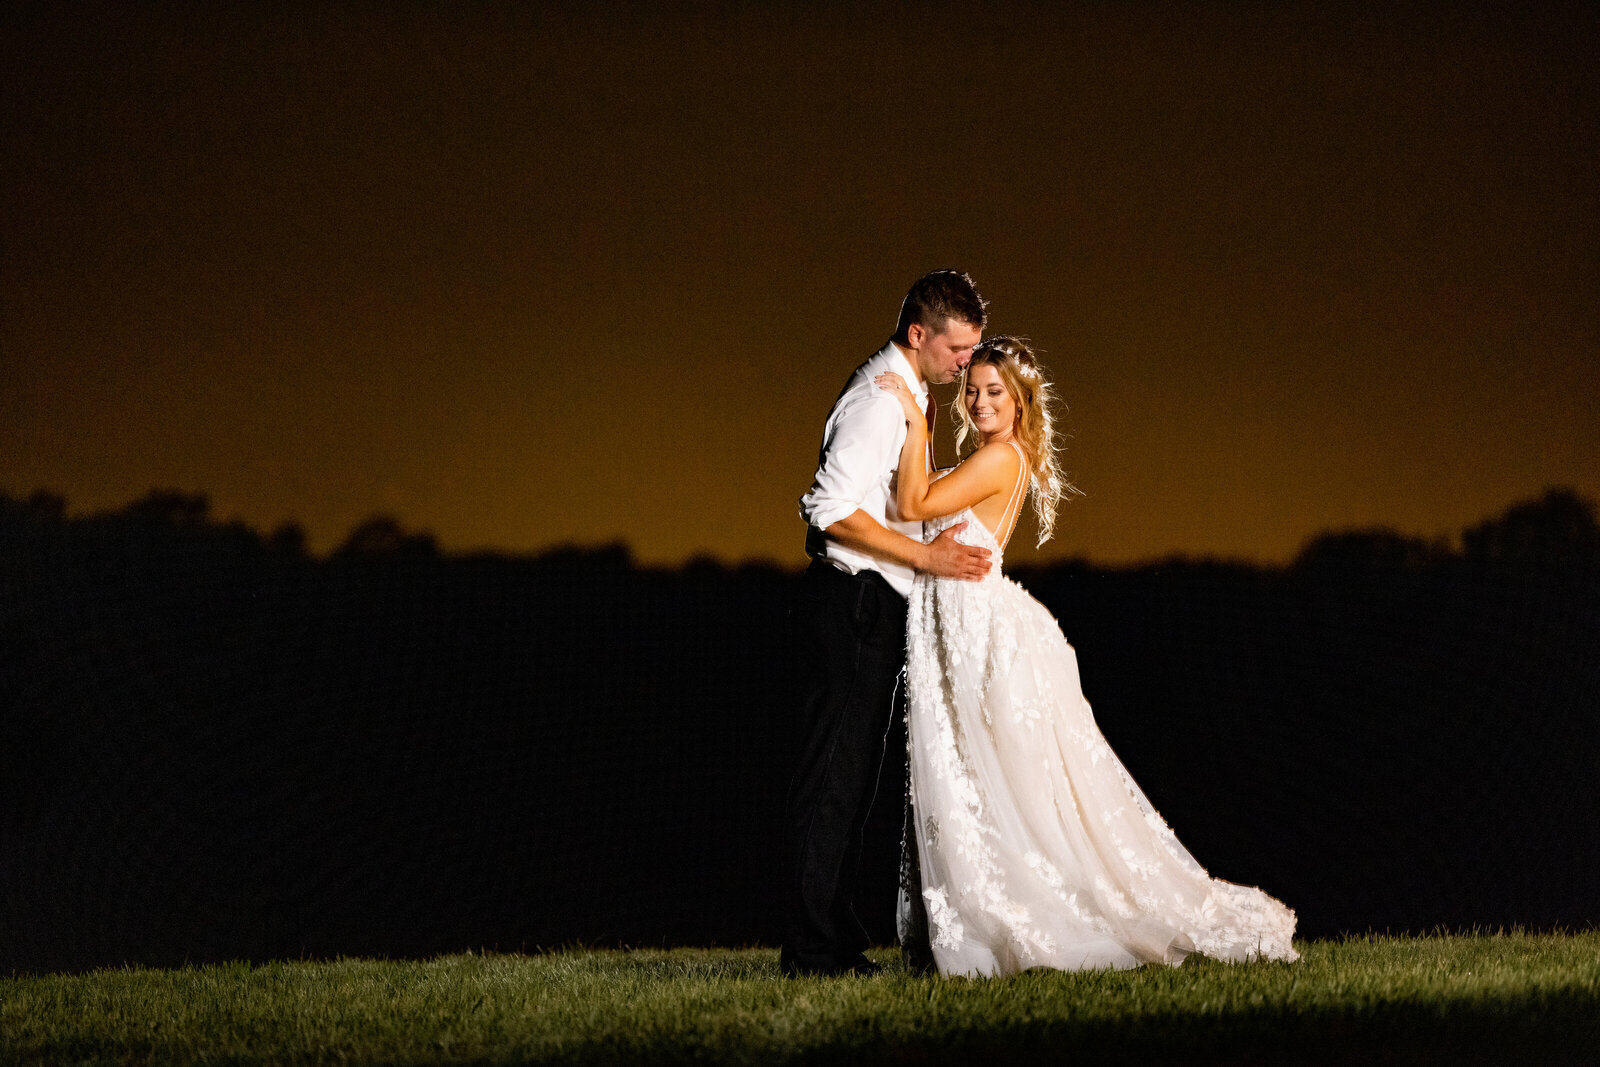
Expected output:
{"points": [[996, 455]]}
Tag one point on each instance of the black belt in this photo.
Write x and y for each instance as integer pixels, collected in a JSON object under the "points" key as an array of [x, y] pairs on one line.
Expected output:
{"points": [[822, 570]]}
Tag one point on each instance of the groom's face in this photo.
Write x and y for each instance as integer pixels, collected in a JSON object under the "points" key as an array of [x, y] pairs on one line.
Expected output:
{"points": [[942, 356]]}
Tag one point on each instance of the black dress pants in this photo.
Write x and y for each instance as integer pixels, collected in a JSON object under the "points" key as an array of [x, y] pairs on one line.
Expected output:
{"points": [[850, 631]]}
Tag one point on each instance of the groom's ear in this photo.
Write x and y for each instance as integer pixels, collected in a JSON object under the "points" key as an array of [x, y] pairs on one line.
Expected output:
{"points": [[916, 333]]}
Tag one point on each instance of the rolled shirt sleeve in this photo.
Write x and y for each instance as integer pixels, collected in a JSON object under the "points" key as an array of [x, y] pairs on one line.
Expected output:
{"points": [[861, 446]]}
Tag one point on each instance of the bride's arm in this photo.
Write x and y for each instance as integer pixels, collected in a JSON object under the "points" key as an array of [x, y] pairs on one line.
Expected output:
{"points": [[981, 475], [975, 479]]}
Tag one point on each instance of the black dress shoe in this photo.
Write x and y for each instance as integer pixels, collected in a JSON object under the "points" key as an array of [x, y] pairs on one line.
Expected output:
{"points": [[917, 955]]}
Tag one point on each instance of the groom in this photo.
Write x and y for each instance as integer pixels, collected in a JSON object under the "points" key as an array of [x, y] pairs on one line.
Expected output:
{"points": [[850, 617]]}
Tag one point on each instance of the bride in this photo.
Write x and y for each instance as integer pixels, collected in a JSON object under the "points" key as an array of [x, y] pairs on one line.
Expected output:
{"points": [[1036, 847]]}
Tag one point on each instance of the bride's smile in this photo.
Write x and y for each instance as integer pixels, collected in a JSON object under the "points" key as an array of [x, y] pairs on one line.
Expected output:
{"points": [[989, 403]]}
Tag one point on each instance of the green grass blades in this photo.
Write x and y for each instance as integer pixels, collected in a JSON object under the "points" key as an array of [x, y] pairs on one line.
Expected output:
{"points": [[1507, 997]]}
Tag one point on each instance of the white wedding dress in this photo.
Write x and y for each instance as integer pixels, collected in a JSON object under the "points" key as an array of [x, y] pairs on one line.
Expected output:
{"points": [[1036, 847]]}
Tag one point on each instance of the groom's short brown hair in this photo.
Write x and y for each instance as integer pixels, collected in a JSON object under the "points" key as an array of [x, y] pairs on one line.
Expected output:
{"points": [[939, 297]]}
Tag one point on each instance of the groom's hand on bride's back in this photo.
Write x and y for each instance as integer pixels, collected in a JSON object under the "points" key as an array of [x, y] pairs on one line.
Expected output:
{"points": [[949, 558]]}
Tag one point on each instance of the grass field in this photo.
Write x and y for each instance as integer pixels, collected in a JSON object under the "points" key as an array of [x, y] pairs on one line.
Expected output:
{"points": [[1507, 997]]}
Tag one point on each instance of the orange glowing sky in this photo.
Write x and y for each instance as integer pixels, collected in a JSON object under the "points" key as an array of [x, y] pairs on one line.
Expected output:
{"points": [[522, 277]]}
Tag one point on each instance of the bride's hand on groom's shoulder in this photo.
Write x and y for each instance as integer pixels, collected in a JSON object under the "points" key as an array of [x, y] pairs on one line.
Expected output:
{"points": [[949, 558], [892, 383]]}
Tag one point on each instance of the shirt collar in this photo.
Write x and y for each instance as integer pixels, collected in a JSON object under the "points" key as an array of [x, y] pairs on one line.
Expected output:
{"points": [[901, 364]]}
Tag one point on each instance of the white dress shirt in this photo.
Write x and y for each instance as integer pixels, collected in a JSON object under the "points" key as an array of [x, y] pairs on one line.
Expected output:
{"points": [[861, 445]]}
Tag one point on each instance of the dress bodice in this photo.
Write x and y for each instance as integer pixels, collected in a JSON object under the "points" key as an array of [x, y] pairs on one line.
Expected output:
{"points": [[975, 533]]}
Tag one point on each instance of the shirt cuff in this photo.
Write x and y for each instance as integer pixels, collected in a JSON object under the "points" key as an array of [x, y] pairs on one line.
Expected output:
{"points": [[824, 514]]}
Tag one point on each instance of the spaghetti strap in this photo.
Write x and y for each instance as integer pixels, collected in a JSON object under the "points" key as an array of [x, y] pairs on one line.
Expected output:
{"points": [[1008, 518]]}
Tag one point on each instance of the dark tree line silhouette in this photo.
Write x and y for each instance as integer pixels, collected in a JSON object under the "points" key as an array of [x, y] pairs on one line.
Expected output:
{"points": [[216, 745]]}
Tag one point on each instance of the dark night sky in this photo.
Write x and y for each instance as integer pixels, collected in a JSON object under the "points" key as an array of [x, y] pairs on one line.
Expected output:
{"points": [[522, 277]]}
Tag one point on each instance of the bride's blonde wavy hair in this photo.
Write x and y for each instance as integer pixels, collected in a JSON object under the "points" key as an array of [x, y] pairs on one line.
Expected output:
{"points": [[1035, 426]]}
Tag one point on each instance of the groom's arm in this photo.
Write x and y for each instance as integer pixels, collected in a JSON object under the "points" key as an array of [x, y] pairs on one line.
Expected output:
{"points": [[943, 556], [862, 443]]}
